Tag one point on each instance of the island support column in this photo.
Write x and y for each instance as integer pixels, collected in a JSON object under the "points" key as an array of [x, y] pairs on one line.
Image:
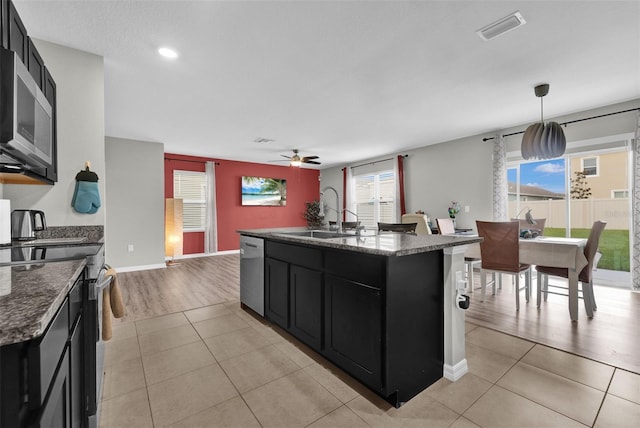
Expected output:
{"points": [[455, 362]]}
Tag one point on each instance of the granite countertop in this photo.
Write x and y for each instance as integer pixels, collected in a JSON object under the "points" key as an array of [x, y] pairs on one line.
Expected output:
{"points": [[30, 295], [371, 242]]}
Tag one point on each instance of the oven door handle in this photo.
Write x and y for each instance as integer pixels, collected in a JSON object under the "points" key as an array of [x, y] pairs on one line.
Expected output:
{"points": [[97, 287]]}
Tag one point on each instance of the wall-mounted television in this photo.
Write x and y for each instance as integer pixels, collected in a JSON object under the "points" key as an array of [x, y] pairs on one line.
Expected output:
{"points": [[262, 191]]}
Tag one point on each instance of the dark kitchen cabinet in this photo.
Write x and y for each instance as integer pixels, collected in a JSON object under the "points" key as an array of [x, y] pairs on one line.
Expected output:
{"points": [[56, 411], [76, 374], [35, 65], [276, 305], [49, 88], [306, 305], [42, 381], [3, 19], [353, 317], [17, 34], [13, 36], [380, 318]]}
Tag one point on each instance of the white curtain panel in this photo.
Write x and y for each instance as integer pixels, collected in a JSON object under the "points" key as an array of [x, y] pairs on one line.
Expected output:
{"points": [[350, 200], [635, 261], [210, 227], [500, 186]]}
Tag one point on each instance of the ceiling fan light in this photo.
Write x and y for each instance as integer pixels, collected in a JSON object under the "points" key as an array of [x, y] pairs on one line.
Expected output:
{"points": [[295, 162]]}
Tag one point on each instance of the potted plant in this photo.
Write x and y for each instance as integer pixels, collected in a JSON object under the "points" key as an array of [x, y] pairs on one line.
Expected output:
{"points": [[312, 214]]}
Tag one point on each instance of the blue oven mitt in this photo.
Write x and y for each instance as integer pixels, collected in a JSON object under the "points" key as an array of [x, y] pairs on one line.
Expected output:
{"points": [[86, 197]]}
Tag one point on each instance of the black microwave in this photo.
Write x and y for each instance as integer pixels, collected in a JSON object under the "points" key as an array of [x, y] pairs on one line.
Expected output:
{"points": [[26, 121]]}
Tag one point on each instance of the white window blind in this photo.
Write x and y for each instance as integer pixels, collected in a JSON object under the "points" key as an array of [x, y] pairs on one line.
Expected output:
{"points": [[190, 186], [375, 198]]}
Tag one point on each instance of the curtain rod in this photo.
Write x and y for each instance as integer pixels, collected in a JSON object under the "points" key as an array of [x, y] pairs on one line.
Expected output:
{"points": [[374, 162], [186, 160], [570, 122]]}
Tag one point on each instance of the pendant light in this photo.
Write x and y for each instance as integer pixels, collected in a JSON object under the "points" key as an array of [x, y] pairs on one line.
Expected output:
{"points": [[540, 140]]}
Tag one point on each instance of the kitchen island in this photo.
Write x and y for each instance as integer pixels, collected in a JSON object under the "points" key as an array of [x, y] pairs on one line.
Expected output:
{"points": [[382, 306]]}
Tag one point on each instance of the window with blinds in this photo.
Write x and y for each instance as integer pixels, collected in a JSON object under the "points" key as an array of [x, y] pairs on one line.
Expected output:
{"points": [[375, 197], [190, 187]]}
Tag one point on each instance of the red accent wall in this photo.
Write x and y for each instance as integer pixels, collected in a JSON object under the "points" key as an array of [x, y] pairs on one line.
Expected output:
{"points": [[303, 185]]}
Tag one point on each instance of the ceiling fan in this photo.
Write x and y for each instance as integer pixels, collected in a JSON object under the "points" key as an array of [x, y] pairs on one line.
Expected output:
{"points": [[297, 160]]}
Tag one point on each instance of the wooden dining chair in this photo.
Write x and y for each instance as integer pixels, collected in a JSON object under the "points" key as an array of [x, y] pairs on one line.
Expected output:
{"points": [[397, 227], [585, 277], [500, 253], [421, 220]]}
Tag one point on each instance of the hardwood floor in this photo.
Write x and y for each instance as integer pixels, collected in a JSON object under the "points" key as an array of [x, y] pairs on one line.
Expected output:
{"points": [[611, 336], [189, 284]]}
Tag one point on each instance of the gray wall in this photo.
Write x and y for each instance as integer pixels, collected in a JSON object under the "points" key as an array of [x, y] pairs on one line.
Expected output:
{"points": [[135, 214], [462, 170], [79, 80]]}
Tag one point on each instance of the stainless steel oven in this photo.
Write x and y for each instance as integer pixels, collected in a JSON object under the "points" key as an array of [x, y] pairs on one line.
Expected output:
{"points": [[94, 348]]}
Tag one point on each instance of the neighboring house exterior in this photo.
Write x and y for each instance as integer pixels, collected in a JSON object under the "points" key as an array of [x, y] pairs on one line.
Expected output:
{"points": [[532, 193], [606, 174]]}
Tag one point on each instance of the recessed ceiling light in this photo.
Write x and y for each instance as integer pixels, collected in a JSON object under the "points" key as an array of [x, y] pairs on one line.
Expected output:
{"points": [[168, 53], [501, 26]]}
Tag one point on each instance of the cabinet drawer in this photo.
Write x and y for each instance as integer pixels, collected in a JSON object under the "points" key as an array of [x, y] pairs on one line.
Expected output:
{"points": [[295, 254], [363, 268], [44, 355]]}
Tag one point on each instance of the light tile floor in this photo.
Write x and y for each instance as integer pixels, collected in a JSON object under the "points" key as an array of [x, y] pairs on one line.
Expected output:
{"points": [[219, 366]]}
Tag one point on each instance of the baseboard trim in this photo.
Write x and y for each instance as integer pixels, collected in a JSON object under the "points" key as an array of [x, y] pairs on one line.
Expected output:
{"points": [[453, 373], [142, 267], [164, 265], [193, 256]]}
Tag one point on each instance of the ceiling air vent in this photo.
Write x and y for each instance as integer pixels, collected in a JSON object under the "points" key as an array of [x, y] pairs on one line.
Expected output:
{"points": [[501, 26]]}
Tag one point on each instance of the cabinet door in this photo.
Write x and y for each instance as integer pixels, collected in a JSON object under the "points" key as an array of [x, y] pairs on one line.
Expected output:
{"points": [[49, 88], [76, 374], [353, 318], [56, 410], [276, 305], [306, 305], [3, 23], [35, 64], [18, 40]]}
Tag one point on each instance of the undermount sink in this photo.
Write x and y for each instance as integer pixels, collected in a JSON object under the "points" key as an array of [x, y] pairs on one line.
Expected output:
{"points": [[320, 234]]}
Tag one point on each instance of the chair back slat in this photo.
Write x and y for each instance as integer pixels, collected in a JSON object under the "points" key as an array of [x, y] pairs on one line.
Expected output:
{"points": [[397, 227], [499, 249]]}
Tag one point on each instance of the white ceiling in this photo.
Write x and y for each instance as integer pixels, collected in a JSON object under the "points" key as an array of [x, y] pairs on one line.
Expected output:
{"points": [[346, 80]]}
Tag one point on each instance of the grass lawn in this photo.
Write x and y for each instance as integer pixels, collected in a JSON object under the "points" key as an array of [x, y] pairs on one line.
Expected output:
{"points": [[614, 246]]}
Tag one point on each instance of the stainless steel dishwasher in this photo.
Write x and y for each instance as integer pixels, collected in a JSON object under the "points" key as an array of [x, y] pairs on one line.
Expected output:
{"points": [[252, 273]]}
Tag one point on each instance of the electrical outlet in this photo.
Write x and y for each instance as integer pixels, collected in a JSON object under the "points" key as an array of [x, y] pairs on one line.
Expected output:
{"points": [[466, 208], [130, 248]]}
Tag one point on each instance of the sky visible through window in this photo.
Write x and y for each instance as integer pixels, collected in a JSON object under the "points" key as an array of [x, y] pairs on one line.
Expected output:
{"points": [[546, 174]]}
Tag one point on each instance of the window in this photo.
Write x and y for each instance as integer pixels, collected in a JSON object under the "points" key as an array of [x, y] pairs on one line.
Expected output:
{"points": [[190, 187], [375, 198], [590, 166], [619, 194]]}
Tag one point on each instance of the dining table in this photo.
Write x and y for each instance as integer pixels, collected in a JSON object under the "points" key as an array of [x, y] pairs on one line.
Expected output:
{"points": [[554, 252]]}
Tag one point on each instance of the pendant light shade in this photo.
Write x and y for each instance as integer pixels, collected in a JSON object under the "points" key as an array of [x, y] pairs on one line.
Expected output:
{"points": [[540, 140]]}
